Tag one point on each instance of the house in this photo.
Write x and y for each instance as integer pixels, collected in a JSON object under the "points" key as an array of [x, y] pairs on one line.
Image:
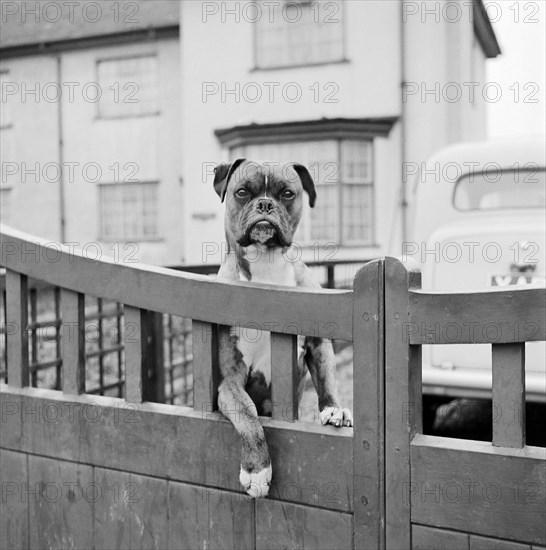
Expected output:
{"points": [[362, 92], [91, 125]]}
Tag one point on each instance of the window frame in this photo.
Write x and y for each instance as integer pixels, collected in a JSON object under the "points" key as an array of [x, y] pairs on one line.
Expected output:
{"points": [[338, 238], [124, 238], [151, 113], [280, 66]]}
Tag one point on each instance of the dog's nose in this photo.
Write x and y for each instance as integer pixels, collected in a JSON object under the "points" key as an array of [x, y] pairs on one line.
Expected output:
{"points": [[265, 206]]}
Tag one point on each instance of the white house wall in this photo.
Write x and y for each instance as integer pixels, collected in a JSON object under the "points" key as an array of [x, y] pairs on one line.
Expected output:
{"points": [[146, 143], [31, 143], [149, 143]]}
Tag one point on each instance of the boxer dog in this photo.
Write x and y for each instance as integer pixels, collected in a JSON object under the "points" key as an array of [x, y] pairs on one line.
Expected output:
{"points": [[263, 208]]}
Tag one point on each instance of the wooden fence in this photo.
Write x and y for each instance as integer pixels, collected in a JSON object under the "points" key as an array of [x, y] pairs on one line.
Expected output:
{"points": [[170, 381], [88, 471]]}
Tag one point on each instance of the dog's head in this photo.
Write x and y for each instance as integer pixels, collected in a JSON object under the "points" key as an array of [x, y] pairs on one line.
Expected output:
{"points": [[263, 200]]}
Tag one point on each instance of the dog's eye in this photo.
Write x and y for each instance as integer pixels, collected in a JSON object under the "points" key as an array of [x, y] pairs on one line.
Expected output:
{"points": [[241, 193], [288, 194]]}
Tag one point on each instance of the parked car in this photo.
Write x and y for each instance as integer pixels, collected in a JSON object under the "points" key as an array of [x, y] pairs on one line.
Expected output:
{"points": [[480, 221]]}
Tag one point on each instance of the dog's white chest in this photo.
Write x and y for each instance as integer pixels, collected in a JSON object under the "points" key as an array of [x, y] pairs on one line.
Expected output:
{"points": [[269, 266], [255, 345], [272, 267]]}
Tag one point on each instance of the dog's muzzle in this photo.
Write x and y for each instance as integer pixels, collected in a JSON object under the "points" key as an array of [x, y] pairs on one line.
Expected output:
{"points": [[262, 225]]}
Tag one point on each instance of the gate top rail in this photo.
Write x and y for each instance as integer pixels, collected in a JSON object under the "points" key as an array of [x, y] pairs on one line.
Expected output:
{"points": [[498, 316], [327, 313]]}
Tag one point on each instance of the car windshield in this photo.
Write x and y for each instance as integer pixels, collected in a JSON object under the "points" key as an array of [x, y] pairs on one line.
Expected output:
{"points": [[501, 189]]}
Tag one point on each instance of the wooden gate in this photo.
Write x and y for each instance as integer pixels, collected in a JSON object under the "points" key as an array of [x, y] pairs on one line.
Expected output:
{"points": [[454, 493], [87, 471]]}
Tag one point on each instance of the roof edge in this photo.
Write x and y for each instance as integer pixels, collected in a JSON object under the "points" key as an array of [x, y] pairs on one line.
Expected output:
{"points": [[306, 130], [40, 48]]}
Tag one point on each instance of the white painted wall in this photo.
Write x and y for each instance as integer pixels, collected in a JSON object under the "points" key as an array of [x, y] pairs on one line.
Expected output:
{"points": [[150, 142], [31, 139]]}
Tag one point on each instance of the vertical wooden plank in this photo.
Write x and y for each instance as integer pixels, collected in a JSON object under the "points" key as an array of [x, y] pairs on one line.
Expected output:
{"points": [[207, 517], [100, 345], [14, 526], [285, 525], [132, 511], [61, 498], [135, 340], [58, 329], [284, 376], [509, 395], [156, 373], [403, 400], [33, 371], [73, 341], [170, 397], [205, 367], [119, 354], [17, 328], [368, 407], [3, 319], [430, 538]]}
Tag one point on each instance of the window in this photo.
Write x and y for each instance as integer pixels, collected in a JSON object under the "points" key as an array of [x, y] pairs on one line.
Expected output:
{"points": [[129, 86], [128, 211], [290, 33], [496, 190], [343, 174]]}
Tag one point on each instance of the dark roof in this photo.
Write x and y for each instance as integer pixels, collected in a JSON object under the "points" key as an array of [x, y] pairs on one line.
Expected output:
{"points": [[27, 23]]}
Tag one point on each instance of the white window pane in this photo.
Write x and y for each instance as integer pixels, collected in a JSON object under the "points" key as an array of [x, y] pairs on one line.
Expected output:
{"points": [[324, 216], [129, 211], [299, 33], [129, 86], [357, 164], [357, 214]]}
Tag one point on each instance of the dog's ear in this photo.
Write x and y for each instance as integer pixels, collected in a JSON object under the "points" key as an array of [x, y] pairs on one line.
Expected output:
{"points": [[307, 182], [222, 173]]}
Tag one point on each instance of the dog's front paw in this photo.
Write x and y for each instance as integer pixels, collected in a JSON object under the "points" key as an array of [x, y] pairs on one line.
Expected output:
{"points": [[336, 416], [256, 484]]}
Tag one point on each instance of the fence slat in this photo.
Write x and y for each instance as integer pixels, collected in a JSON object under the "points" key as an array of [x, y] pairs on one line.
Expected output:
{"points": [[73, 341], [156, 374], [17, 328], [205, 366], [284, 376], [509, 395], [403, 400], [368, 407], [135, 340]]}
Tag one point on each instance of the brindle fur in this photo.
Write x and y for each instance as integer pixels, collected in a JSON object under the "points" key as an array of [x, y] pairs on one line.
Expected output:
{"points": [[244, 391]]}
